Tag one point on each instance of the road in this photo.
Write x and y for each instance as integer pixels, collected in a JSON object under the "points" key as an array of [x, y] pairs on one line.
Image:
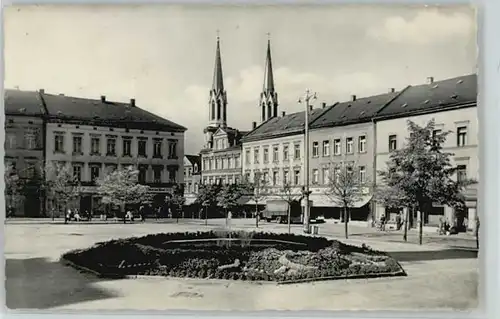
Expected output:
{"points": [[439, 277]]}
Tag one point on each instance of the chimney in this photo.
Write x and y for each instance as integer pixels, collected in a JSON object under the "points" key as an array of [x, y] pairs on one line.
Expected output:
{"points": [[392, 90], [430, 80], [283, 113], [103, 98], [42, 91], [254, 125], [323, 105], [310, 107], [132, 102], [353, 97]]}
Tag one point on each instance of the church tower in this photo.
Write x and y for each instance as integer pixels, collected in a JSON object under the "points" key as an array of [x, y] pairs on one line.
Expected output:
{"points": [[268, 98], [217, 104]]}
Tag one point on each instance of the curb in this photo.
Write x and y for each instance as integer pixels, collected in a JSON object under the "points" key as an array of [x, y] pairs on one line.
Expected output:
{"points": [[400, 273]]}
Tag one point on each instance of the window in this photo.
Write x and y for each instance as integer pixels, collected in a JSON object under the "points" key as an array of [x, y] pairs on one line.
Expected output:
{"points": [[59, 143], [172, 149], [275, 154], [216, 163], [111, 147], [461, 173], [210, 164], [247, 177], [127, 147], [286, 178], [222, 161], [247, 156], [256, 156], [142, 148], [337, 146], [326, 176], [157, 174], [362, 174], [275, 178], [236, 162], [461, 136], [30, 139], [77, 172], [336, 173], [265, 178], [230, 180], [230, 162], [326, 148], [393, 142], [349, 145], [141, 178], [285, 153], [315, 176], [95, 146], [10, 140], [266, 154], [362, 144], [435, 133], [77, 145], [157, 148], [315, 150], [296, 177], [94, 172], [172, 174], [296, 151]]}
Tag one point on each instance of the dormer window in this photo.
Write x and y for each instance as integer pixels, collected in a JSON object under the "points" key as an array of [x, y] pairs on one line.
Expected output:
{"points": [[195, 168]]}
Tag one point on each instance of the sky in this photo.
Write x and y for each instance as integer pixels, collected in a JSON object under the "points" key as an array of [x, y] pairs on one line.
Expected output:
{"points": [[163, 55]]}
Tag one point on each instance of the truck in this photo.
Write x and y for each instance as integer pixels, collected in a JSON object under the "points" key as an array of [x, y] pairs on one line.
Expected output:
{"points": [[277, 210]]}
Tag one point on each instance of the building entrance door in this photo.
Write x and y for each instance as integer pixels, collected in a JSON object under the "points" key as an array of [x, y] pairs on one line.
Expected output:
{"points": [[85, 203]]}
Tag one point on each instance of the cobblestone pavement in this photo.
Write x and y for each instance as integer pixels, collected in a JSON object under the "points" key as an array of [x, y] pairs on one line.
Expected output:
{"points": [[439, 277]]}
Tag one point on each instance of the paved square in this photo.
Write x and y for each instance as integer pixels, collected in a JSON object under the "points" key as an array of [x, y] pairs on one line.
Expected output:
{"points": [[439, 277]]}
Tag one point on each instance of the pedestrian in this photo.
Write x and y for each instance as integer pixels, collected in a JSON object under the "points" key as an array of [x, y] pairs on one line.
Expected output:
{"points": [[398, 221], [228, 220], [141, 213], [67, 216], [382, 222]]}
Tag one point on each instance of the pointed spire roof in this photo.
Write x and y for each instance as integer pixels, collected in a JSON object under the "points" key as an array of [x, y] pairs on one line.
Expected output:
{"points": [[268, 71], [218, 83]]}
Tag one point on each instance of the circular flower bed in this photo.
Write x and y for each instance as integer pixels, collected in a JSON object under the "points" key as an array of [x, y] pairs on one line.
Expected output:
{"points": [[284, 258]]}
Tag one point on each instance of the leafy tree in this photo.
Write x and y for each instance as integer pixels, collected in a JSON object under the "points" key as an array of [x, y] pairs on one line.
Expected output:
{"points": [[288, 193], [421, 174], [207, 197], [120, 187], [61, 185], [345, 188], [13, 186], [228, 197], [258, 190], [176, 200]]}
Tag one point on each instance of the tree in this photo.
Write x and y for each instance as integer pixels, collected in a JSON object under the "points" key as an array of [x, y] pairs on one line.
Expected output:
{"points": [[120, 187], [345, 188], [61, 185], [13, 187], [176, 200], [228, 197], [421, 174], [207, 197], [258, 190], [289, 194]]}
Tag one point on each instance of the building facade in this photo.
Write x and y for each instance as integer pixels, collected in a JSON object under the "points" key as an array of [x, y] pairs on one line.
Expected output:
{"points": [[24, 156], [452, 104], [95, 137], [192, 177]]}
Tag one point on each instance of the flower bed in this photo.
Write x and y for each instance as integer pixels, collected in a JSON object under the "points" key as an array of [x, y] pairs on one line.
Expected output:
{"points": [[234, 255]]}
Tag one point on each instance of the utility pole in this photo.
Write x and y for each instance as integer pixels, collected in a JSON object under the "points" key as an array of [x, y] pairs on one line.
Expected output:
{"points": [[306, 100]]}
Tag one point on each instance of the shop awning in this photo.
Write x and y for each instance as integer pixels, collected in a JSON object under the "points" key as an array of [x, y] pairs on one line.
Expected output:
{"points": [[320, 200]]}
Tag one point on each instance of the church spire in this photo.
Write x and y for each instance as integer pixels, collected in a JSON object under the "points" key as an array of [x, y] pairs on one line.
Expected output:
{"points": [[218, 82], [268, 71], [268, 98], [218, 102]]}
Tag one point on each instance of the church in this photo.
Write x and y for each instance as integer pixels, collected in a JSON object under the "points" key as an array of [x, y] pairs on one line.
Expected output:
{"points": [[221, 153]]}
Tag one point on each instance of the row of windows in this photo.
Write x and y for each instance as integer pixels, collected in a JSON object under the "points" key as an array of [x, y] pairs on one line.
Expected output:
{"points": [[337, 146], [95, 146], [188, 171], [221, 163], [221, 180], [461, 141], [275, 154], [96, 171], [30, 140]]}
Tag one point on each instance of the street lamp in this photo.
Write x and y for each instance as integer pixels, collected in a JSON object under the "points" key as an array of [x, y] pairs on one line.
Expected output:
{"points": [[306, 99]]}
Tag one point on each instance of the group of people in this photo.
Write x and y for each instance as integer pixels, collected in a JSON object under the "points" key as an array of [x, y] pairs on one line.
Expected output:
{"points": [[398, 220], [76, 215]]}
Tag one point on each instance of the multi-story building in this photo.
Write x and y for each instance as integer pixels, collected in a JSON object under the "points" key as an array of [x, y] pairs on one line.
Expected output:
{"points": [[94, 137], [24, 157], [192, 177], [221, 154], [344, 134], [452, 104]]}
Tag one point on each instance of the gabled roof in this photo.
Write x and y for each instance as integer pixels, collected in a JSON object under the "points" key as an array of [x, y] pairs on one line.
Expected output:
{"points": [[357, 111], [282, 126], [194, 159], [99, 112], [26, 103], [433, 97]]}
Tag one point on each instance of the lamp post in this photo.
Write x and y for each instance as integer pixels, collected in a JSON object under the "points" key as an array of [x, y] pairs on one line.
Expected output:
{"points": [[308, 96]]}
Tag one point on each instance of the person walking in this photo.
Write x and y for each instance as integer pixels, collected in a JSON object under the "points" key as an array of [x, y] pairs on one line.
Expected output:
{"points": [[398, 221]]}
